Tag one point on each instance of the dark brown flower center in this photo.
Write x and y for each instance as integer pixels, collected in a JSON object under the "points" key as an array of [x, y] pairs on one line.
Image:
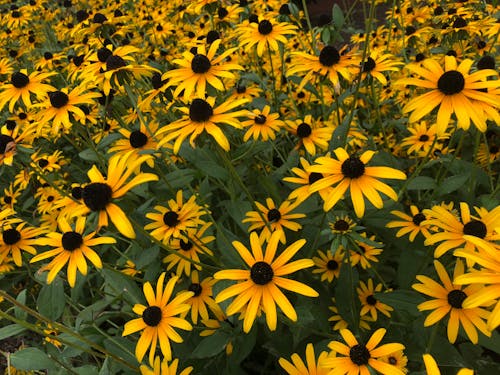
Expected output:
{"points": [[329, 56], [77, 192], [451, 82], [200, 111], [392, 360], [475, 228], [265, 27], [273, 215], [486, 62], [4, 141], [11, 236], [103, 54], [200, 64], [58, 99], [304, 130], [261, 273], [138, 139], [19, 80], [371, 300], [423, 138], [332, 265], [418, 218], [260, 119], [97, 195], [185, 245], [196, 288], [456, 298], [71, 240], [353, 167], [152, 316], [171, 218], [313, 177], [341, 225], [359, 355], [369, 65], [115, 62]]}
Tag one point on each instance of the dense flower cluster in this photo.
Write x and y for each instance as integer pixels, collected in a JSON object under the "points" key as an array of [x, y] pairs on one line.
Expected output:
{"points": [[337, 182]]}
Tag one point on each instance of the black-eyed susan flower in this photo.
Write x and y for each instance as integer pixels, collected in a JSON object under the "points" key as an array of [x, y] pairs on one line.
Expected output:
{"points": [[264, 34], [185, 251], [351, 172], [454, 90], [22, 85], [355, 358], [448, 300], [159, 319], [330, 63], [377, 63], [363, 253], [60, 104], [17, 236], [99, 195], [259, 287], [201, 116], [312, 134], [467, 231], [311, 366], [164, 368], [263, 124], [202, 301], [174, 221], [269, 219], [342, 225], [305, 178], [72, 247], [398, 359], [488, 275], [369, 303], [328, 264], [421, 139], [410, 224], [201, 68], [431, 367]]}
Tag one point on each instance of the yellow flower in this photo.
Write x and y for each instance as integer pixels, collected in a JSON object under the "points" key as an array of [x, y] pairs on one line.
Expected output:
{"points": [[158, 319], [259, 287]]}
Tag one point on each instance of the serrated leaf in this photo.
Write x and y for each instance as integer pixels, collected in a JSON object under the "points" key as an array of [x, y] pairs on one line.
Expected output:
{"points": [[31, 359], [51, 299]]}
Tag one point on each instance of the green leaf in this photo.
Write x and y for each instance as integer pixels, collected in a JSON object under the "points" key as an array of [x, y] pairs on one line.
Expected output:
{"points": [[404, 300], [11, 330], [32, 359], [452, 184], [18, 312], [345, 295], [51, 299], [122, 284], [211, 345], [88, 154], [90, 313], [86, 370], [422, 183], [337, 17]]}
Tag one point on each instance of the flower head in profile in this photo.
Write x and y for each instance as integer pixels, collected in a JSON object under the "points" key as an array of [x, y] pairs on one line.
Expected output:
{"points": [[454, 90], [356, 358], [448, 300], [351, 172], [310, 367], [163, 367], [71, 246], [258, 288], [159, 319]]}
